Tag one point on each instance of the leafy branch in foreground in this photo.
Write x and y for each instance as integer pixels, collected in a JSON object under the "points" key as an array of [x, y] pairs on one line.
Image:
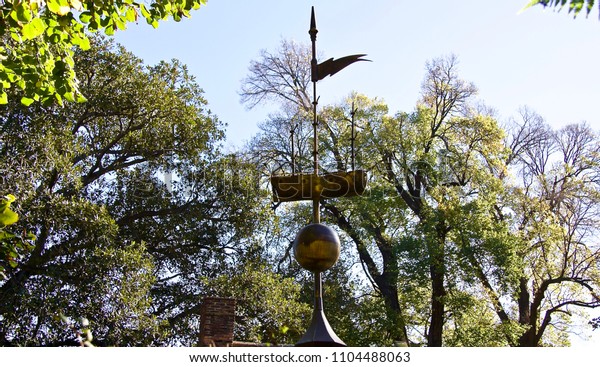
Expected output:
{"points": [[575, 6], [39, 38], [12, 246]]}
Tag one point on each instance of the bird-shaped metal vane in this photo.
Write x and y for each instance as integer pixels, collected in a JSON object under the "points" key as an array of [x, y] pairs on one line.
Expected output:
{"points": [[317, 246], [332, 66]]}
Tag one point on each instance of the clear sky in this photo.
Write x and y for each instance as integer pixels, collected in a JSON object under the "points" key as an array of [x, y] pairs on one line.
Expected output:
{"points": [[540, 58]]}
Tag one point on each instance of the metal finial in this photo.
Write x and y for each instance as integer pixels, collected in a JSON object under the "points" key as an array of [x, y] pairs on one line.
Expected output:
{"points": [[313, 25]]}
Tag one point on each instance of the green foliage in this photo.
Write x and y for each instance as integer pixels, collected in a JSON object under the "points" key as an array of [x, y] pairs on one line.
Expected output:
{"points": [[116, 240], [472, 323], [575, 6], [7, 216], [12, 246], [268, 307], [357, 315], [39, 39]]}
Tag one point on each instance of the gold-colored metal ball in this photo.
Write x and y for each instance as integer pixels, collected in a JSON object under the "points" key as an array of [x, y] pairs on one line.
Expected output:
{"points": [[317, 247]]}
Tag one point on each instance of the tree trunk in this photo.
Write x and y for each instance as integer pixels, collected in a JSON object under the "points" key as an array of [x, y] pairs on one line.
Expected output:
{"points": [[524, 315], [389, 292], [437, 271], [438, 292]]}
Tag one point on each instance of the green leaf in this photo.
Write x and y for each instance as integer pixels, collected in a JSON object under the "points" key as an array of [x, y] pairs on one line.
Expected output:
{"points": [[33, 29], [3, 98], [6, 235], [110, 30], [8, 217], [58, 99], [529, 5], [120, 24], [6, 201], [27, 101], [81, 98], [85, 17], [131, 15], [23, 12], [55, 39], [69, 96], [82, 42], [106, 22], [145, 12], [16, 36], [60, 7]]}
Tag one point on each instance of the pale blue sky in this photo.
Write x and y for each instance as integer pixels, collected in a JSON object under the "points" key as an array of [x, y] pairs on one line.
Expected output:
{"points": [[539, 58]]}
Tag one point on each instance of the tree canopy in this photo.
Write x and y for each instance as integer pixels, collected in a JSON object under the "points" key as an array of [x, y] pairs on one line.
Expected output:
{"points": [[39, 39], [119, 214], [135, 210], [445, 232]]}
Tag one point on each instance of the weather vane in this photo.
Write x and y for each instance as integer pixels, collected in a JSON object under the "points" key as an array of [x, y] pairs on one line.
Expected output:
{"points": [[317, 246]]}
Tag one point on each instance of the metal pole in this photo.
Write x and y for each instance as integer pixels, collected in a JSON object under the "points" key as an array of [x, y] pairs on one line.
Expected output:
{"points": [[353, 137], [318, 292], [293, 151], [314, 77]]}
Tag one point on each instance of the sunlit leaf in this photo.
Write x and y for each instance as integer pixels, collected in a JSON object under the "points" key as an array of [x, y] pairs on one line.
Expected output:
{"points": [[23, 12], [8, 217], [33, 29], [60, 7], [27, 101], [85, 17]]}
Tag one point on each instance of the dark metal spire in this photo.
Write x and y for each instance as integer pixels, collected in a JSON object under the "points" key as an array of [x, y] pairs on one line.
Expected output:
{"points": [[313, 37]]}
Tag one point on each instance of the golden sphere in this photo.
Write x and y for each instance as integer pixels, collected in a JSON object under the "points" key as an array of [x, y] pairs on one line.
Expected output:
{"points": [[317, 247]]}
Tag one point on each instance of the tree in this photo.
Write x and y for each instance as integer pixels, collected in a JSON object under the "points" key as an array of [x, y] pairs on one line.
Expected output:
{"points": [[555, 218], [115, 242], [405, 147], [536, 258], [282, 76], [575, 6], [439, 219], [39, 39]]}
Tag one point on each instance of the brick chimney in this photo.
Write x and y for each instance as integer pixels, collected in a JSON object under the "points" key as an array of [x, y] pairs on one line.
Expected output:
{"points": [[217, 318]]}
